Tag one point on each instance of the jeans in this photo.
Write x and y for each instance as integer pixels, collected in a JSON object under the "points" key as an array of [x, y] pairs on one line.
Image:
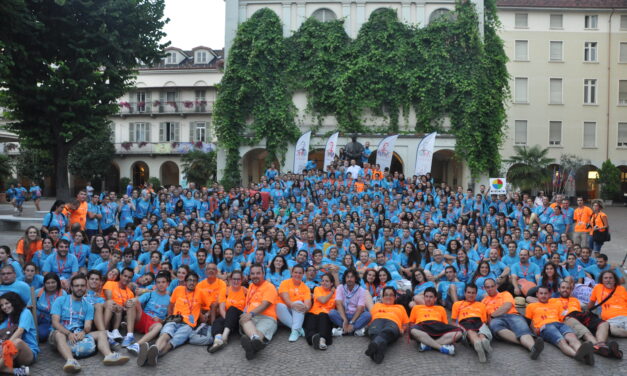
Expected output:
{"points": [[179, 333], [513, 322], [290, 317], [383, 332], [361, 321]]}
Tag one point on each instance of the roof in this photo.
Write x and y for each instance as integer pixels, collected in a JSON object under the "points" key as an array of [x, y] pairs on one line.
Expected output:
{"points": [[188, 60], [573, 4]]}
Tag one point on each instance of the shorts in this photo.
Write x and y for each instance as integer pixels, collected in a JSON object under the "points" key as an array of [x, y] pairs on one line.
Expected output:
{"points": [[618, 321], [265, 325], [82, 349], [589, 321], [555, 332], [179, 333], [144, 323], [510, 321], [436, 329]]}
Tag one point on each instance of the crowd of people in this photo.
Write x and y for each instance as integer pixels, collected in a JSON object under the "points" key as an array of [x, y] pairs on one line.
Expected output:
{"points": [[352, 251]]}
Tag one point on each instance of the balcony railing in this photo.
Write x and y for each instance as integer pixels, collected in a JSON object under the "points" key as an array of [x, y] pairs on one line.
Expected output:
{"points": [[165, 107], [162, 147]]}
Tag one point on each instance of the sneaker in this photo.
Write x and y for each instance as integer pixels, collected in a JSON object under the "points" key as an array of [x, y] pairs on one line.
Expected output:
{"points": [[315, 341], [487, 347], [133, 349], [423, 348], [360, 332], [128, 340], [301, 332], [21, 371], [615, 350], [115, 359], [337, 332], [218, 343], [537, 348], [447, 349], [323, 344], [71, 366], [142, 354], [116, 335], [257, 344], [248, 347], [375, 353], [480, 352], [294, 335], [153, 356], [585, 353]]}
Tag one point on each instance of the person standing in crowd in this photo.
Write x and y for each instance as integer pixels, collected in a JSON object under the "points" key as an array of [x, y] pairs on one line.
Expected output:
{"points": [[581, 217], [35, 194], [76, 211]]}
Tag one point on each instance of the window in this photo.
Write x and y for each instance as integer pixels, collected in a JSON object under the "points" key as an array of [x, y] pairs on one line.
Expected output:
{"points": [[623, 22], [201, 100], [520, 92], [324, 15], [139, 132], [141, 98], [168, 101], [591, 22], [522, 52], [201, 57], [590, 51], [557, 21], [441, 14], [589, 91], [169, 131], [198, 131], [520, 132], [622, 57], [521, 20], [589, 134], [556, 50], [622, 134], [555, 95], [555, 133], [170, 58], [622, 92]]}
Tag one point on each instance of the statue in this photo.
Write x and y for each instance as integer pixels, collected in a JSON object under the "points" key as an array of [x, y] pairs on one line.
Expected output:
{"points": [[354, 150]]}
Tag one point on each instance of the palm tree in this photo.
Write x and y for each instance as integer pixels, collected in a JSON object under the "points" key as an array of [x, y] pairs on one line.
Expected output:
{"points": [[528, 170]]}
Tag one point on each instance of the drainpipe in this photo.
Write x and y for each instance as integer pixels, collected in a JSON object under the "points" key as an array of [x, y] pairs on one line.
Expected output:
{"points": [[609, 85]]}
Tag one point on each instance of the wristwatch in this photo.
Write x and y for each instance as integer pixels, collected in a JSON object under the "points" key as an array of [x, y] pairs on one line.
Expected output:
{"points": [[350, 322]]}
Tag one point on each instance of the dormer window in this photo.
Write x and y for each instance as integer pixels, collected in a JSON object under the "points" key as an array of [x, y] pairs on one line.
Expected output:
{"points": [[170, 58], [201, 57]]}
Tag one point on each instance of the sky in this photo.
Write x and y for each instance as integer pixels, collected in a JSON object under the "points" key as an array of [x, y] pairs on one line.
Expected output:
{"points": [[195, 23]]}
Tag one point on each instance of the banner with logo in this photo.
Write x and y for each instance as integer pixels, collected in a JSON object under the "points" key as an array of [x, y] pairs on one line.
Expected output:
{"points": [[385, 151], [301, 152], [424, 154], [498, 186], [329, 150]]}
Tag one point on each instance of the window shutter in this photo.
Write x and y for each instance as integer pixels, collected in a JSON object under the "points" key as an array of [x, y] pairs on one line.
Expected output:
{"points": [[521, 50], [176, 136], [589, 134], [556, 21], [623, 53], [520, 135], [622, 134], [131, 132], [622, 92], [162, 130], [556, 91], [192, 130], [148, 138], [556, 51], [555, 133], [521, 90], [623, 22]]}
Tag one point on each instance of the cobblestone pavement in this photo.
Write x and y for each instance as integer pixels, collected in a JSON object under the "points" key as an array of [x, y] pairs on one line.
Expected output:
{"points": [[346, 355]]}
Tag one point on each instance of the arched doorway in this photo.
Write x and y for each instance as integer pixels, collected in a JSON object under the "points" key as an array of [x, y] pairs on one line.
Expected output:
{"points": [[317, 155], [446, 168], [397, 164], [169, 174], [140, 173], [586, 182], [254, 165], [623, 180], [112, 178]]}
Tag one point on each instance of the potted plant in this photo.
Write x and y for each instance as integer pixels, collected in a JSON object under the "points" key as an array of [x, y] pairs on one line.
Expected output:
{"points": [[127, 145], [198, 145], [142, 144], [125, 107], [172, 105], [156, 103], [609, 179], [188, 104], [175, 145]]}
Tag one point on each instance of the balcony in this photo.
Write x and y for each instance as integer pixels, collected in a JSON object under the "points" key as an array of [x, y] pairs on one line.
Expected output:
{"points": [[150, 148], [158, 107]]}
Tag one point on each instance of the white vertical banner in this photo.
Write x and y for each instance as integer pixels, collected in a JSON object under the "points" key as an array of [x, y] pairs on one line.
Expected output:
{"points": [[301, 152], [424, 154], [385, 151], [329, 151]]}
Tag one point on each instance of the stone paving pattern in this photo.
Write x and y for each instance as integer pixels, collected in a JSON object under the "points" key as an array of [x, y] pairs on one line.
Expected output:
{"points": [[346, 355]]}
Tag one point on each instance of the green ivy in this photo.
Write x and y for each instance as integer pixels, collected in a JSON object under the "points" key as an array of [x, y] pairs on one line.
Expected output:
{"points": [[441, 70]]}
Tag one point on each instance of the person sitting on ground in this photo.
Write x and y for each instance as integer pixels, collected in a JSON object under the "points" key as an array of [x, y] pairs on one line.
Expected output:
{"points": [[389, 321], [524, 274], [545, 318], [72, 319], [45, 297], [430, 326], [10, 283], [506, 322], [20, 348], [471, 316], [63, 264], [232, 302], [350, 313], [318, 325], [295, 301], [119, 301], [612, 298]]}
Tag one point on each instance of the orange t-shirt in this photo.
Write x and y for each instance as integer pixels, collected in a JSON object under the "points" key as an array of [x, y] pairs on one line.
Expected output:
{"points": [[318, 307], [77, 216], [463, 310], [359, 187], [615, 306], [597, 220], [120, 296], [494, 303], [213, 290], [258, 294], [32, 248], [542, 314], [232, 298], [581, 217], [393, 312], [566, 305], [295, 293], [422, 313], [188, 304]]}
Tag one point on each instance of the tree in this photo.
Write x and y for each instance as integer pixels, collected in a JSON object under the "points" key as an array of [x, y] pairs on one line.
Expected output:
{"points": [[5, 170], [609, 178], [92, 156], [65, 63], [200, 167], [528, 169], [33, 164]]}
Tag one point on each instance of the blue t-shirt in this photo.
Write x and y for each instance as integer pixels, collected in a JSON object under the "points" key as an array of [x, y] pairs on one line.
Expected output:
{"points": [[18, 287], [92, 297], [64, 269], [73, 313], [528, 272], [55, 220], [223, 267], [37, 282], [155, 305], [44, 304], [419, 289], [30, 333]]}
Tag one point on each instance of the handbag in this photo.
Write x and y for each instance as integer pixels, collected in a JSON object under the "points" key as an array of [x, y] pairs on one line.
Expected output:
{"points": [[601, 236], [7, 332], [586, 317]]}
